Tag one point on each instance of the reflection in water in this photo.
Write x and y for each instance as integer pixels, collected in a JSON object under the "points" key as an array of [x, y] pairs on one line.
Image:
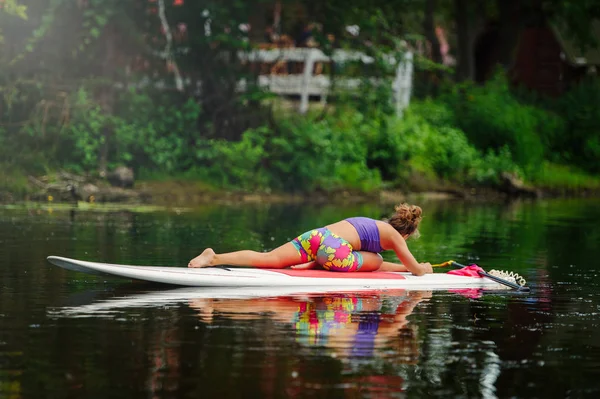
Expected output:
{"points": [[10, 383], [359, 335], [332, 321], [357, 330], [165, 363]]}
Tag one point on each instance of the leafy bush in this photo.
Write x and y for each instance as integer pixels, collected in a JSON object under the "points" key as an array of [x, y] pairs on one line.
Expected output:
{"points": [[146, 133], [579, 142], [85, 133], [322, 154], [487, 169], [234, 164], [430, 144], [157, 133], [298, 155], [492, 118], [436, 113], [450, 153], [441, 151], [387, 147]]}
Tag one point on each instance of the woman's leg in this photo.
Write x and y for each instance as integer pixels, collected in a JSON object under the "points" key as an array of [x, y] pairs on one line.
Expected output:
{"points": [[371, 261], [336, 254], [281, 257]]}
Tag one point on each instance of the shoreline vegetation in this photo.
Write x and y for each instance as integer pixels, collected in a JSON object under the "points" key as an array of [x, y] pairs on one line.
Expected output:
{"points": [[336, 154], [469, 142], [124, 104]]}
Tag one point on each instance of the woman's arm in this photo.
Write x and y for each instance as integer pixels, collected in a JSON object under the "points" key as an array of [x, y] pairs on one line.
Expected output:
{"points": [[397, 243], [392, 267]]}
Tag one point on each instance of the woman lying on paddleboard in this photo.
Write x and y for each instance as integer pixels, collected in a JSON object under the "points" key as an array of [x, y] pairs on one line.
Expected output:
{"points": [[349, 245]]}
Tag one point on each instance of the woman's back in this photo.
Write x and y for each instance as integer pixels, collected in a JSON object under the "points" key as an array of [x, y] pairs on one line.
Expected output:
{"points": [[349, 230]]}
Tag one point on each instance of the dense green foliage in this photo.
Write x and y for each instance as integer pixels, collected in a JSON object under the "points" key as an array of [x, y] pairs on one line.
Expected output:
{"points": [[579, 142], [468, 136], [152, 132], [88, 86], [492, 118]]}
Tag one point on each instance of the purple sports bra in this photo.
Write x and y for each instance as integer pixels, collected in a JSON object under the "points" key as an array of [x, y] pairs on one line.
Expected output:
{"points": [[368, 232]]}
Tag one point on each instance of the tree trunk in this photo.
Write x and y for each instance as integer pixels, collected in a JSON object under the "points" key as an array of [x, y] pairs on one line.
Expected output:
{"points": [[469, 24], [106, 96], [465, 60], [106, 101], [429, 29], [510, 24]]}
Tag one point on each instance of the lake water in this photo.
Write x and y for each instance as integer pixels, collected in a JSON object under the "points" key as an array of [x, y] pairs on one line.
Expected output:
{"points": [[65, 334]]}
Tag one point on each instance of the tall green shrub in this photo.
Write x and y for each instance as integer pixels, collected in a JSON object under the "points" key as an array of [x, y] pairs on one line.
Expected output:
{"points": [[235, 164], [579, 143], [322, 154], [430, 142], [492, 118], [442, 150], [153, 133], [297, 155], [157, 132]]}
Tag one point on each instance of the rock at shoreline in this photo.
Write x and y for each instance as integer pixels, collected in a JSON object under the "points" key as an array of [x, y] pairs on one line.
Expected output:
{"points": [[87, 191], [115, 194], [72, 188], [121, 177], [513, 186]]}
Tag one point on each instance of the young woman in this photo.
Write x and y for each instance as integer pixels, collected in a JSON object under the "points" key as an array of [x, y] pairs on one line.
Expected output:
{"points": [[349, 245]]}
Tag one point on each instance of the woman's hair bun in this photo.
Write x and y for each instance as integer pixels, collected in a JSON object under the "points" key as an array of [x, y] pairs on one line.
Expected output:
{"points": [[409, 212], [406, 219]]}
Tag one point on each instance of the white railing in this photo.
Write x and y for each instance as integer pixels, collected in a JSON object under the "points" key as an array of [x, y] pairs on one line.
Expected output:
{"points": [[306, 83]]}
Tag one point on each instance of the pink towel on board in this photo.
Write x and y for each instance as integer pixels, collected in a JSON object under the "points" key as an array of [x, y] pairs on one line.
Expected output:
{"points": [[470, 271]]}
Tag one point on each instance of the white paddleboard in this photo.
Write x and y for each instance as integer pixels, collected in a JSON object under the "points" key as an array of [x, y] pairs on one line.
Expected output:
{"points": [[249, 277]]}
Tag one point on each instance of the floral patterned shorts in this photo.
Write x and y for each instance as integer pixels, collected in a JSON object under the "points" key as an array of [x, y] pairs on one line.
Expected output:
{"points": [[330, 251]]}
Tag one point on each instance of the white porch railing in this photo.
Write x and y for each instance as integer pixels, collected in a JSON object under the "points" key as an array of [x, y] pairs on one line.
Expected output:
{"points": [[308, 84]]}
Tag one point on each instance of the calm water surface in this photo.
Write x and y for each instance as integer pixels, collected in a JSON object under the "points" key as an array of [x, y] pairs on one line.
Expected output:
{"points": [[65, 334]]}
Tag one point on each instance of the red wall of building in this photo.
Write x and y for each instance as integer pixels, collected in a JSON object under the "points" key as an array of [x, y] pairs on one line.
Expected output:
{"points": [[538, 64]]}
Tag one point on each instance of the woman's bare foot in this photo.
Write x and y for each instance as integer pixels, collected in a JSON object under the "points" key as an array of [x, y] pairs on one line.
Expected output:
{"points": [[205, 259]]}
